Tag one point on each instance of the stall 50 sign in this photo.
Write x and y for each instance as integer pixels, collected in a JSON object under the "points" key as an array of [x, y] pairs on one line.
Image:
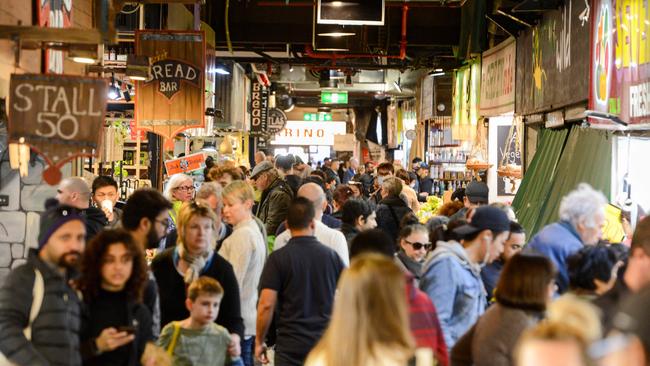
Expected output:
{"points": [[59, 116], [170, 73]]}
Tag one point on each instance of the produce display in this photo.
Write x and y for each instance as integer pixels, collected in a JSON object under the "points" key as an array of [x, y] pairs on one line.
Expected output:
{"points": [[429, 208]]}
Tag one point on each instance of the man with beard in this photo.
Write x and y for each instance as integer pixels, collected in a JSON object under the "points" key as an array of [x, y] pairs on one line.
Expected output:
{"points": [[39, 311], [145, 217]]}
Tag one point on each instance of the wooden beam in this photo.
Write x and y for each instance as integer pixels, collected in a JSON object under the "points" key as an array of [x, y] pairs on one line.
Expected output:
{"points": [[50, 35]]}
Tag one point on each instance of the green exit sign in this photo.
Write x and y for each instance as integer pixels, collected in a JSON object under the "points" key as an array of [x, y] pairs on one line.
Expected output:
{"points": [[328, 97], [317, 117]]}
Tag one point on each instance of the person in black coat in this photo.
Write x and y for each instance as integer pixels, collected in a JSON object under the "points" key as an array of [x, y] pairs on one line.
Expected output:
{"points": [[116, 325], [392, 207]]}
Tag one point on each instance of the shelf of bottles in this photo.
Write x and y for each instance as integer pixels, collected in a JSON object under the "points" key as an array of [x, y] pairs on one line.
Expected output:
{"points": [[447, 159]]}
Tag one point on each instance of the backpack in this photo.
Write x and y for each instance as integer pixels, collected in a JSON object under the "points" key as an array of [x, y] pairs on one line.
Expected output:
{"points": [[38, 293]]}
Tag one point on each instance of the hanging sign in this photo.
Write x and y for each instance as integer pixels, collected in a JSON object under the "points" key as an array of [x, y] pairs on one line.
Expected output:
{"points": [[498, 79], [620, 61], [185, 164], [276, 120], [259, 110], [54, 14], [172, 100], [551, 68], [426, 97], [61, 117]]}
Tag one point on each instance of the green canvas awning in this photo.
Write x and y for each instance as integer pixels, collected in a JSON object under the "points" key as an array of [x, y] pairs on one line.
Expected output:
{"points": [[564, 159]]}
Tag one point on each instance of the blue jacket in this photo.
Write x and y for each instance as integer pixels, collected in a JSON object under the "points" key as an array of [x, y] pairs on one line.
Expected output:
{"points": [[557, 241], [454, 285], [349, 174]]}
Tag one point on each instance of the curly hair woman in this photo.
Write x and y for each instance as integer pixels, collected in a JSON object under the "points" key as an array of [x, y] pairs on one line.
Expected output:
{"points": [[116, 326]]}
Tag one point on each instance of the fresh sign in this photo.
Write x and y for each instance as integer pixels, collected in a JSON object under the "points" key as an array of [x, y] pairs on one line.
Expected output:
{"points": [[328, 97]]}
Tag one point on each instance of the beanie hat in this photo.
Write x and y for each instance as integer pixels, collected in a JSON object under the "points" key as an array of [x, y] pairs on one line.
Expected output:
{"points": [[53, 218]]}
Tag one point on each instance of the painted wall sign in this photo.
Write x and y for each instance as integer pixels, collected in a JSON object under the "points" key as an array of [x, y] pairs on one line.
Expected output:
{"points": [[620, 61], [173, 99], [61, 117], [309, 133], [551, 69], [498, 79], [505, 186], [185, 164]]}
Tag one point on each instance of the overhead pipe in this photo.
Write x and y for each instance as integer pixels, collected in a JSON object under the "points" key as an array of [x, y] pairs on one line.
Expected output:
{"points": [[309, 51], [389, 4]]}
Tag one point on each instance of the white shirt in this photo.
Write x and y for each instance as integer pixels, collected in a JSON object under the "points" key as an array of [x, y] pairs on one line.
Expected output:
{"points": [[245, 249], [327, 236]]}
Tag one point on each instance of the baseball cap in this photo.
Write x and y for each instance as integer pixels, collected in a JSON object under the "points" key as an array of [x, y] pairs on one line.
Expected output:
{"points": [[261, 168], [53, 218], [285, 162], [485, 218], [477, 192]]}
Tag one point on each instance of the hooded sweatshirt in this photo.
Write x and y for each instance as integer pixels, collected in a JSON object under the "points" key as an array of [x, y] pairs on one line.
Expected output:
{"points": [[454, 285]]}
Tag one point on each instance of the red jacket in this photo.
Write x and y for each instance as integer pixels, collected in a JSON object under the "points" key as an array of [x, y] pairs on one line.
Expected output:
{"points": [[424, 322]]}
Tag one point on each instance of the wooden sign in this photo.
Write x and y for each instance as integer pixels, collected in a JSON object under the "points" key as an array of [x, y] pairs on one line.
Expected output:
{"points": [[173, 99], [59, 116], [185, 164]]}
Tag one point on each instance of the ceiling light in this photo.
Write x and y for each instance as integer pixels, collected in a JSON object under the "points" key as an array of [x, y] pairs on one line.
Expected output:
{"points": [[336, 34], [290, 68], [82, 56], [337, 3], [137, 67], [437, 70], [334, 49], [113, 91], [437, 74], [220, 69]]}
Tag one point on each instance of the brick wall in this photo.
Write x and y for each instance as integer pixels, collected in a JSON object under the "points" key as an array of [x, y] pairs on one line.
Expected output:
{"points": [[19, 221]]}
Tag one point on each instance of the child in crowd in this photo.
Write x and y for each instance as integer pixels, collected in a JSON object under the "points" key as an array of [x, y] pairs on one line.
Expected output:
{"points": [[197, 340]]}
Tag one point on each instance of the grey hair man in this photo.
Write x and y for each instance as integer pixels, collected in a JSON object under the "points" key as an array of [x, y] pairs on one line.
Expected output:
{"points": [[328, 236], [582, 215]]}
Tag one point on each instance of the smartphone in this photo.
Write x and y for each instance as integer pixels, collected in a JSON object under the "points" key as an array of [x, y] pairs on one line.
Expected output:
{"points": [[126, 328]]}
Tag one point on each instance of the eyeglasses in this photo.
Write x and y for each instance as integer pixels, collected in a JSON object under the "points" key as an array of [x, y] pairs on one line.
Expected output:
{"points": [[185, 188], [163, 222], [418, 246]]}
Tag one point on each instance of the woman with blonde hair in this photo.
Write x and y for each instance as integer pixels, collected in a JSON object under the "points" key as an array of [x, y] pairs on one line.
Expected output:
{"points": [[194, 256], [179, 189], [245, 249], [370, 323]]}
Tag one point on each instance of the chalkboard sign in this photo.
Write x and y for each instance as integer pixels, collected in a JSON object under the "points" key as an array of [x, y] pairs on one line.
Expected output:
{"points": [[505, 184], [61, 117]]}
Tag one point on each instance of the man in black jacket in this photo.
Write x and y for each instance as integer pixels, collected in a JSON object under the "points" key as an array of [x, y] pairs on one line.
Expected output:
{"points": [[392, 208], [75, 192], [53, 336]]}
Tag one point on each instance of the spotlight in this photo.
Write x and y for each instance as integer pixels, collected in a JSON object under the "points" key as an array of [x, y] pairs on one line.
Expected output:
{"points": [[113, 90], [82, 56]]}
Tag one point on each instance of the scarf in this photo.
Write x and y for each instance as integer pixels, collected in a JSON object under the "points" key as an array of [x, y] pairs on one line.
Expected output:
{"points": [[196, 262]]}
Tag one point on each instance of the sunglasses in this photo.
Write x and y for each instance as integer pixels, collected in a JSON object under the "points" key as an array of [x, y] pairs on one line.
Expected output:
{"points": [[418, 246]]}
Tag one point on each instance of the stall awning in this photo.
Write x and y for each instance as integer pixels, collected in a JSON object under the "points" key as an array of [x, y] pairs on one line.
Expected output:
{"points": [[564, 159]]}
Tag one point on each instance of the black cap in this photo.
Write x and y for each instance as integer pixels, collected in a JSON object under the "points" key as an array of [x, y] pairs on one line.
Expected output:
{"points": [[485, 218], [477, 192]]}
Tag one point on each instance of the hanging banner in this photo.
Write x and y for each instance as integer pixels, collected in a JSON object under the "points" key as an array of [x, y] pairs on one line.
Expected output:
{"points": [[259, 110], [426, 99], [173, 99], [466, 88], [498, 79], [61, 117], [551, 68], [620, 61]]}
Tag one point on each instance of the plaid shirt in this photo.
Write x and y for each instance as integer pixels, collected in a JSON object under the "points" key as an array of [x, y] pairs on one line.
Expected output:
{"points": [[424, 322]]}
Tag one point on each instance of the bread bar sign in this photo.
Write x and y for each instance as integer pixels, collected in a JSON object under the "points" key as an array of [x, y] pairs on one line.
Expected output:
{"points": [[170, 73], [173, 99], [59, 116]]}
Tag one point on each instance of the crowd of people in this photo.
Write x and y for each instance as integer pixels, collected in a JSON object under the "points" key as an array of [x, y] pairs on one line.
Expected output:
{"points": [[329, 265]]}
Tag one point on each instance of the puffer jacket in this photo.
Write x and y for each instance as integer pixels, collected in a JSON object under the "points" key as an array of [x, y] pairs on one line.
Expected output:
{"points": [[390, 212], [55, 331], [274, 204], [454, 285]]}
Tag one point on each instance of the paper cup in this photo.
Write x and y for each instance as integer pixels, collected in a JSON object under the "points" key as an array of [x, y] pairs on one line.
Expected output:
{"points": [[108, 205]]}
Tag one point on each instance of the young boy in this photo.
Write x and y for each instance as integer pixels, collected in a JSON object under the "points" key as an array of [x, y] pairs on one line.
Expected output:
{"points": [[197, 340]]}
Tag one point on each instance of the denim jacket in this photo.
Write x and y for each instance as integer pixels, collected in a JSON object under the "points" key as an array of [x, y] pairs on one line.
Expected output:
{"points": [[454, 285]]}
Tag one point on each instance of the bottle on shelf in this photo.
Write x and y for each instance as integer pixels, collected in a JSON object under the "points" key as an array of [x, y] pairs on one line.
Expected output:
{"points": [[111, 54]]}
